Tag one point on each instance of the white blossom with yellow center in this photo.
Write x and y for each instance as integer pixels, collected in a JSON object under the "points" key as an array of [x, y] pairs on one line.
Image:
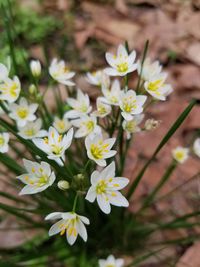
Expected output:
{"points": [[38, 177], [4, 139], [61, 125], [122, 63], [71, 224], [111, 262], [99, 149], [105, 188], [32, 130], [131, 104], [80, 106], [23, 112], [98, 78], [112, 95], [157, 87], [10, 89], [60, 72], [180, 154], [86, 125], [149, 69], [55, 144], [196, 147], [102, 109], [131, 127]]}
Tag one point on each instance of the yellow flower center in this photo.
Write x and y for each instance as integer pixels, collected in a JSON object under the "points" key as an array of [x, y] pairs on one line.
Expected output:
{"points": [[56, 149], [61, 124], [89, 125], [110, 265], [30, 132], [179, 155], [22, 113], [154, 86], [101, 187], [102, 109], [129, 104], [122, 67], [83, 108], [2, 141], [130, 126], [13, 89], [42, 180], [97, 151], [69, 226]]}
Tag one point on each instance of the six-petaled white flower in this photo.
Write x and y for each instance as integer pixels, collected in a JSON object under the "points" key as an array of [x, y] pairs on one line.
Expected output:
{"points": [[61, 125], [105, 188], [86, 125], [35, 68], [60, 72], [102, 109], [149, 69], [55, 144], [111, 262], [132, 126], [111, 96], [157, 87], [180, 154], [99, 149], [122, 63], [70, 224], [23, 112], [32, 130], [38, 177], [80, 105], [10, 89], [131, 104], [98, 78], [4, 139], [196, 147]]}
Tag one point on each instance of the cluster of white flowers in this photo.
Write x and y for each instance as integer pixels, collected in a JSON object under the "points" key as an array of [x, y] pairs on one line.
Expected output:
{"points": [[118, 105]]}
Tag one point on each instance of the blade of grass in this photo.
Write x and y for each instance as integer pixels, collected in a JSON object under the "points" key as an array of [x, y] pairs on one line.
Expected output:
{"points": [[166, 138]]}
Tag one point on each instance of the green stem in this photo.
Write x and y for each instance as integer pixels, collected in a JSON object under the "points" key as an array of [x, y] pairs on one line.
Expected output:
{"points": [[165, 139], [148, 201], [75, 203]]}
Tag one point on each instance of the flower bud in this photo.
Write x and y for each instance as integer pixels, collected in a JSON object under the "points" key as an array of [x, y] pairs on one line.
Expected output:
{"points": [[32, 89], [63, 185], [35, 68], [151, 124]]}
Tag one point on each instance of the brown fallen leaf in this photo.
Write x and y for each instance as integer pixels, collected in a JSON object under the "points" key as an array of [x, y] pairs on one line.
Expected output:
{"points": [[190, 257]]}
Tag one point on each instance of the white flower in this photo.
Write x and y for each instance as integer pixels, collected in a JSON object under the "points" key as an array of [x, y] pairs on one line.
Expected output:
{"points": [[149, 69], [99, 149], [10, 89], [102, 109], [60, 72], [71, 223], [111, 262], [61, 125], [111, 96], [4, 139], [105, 188], [132, 126], [80, 105], [87, 125], [4, 71], [35, 68], [32, 130], [157, 87], [196, 147], [122, 63], [131, 104], [55, 145], [23, 112], [98, 78], [38, 177], [180, 154]]}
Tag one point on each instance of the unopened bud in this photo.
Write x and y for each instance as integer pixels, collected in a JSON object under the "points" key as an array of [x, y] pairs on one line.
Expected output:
{"points": [[151, 124], [63, 185], [32, 89], [35, 68], [80, 176]]}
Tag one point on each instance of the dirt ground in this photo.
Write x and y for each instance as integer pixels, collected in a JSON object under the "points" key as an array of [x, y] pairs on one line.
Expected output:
{"points": [[173, 30]]}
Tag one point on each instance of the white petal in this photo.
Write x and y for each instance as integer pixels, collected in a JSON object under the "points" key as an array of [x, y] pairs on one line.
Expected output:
{"points": [[91, 194], [56, 228], [103, 204], [54, 216]]}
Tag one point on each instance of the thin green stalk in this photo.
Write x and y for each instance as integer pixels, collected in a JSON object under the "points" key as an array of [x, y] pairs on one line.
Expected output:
{"points": [[149, 199], [142, 63], [165, 139], [75, 203]]}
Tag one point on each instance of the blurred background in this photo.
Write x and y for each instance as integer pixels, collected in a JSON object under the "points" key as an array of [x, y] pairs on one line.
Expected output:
{"points": [[80, 32]]}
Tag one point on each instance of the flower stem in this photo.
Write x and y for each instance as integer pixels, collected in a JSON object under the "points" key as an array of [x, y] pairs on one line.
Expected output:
{"points": [[75, 203]]}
